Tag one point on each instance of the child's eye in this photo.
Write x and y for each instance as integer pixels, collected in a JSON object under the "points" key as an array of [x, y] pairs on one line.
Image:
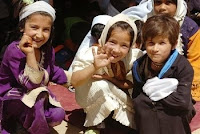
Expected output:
{"points": [[33, 27], [157, 2], [169, 2], [47, 30], [163, 43], [150, 43], [111, 43], [125, 46]]}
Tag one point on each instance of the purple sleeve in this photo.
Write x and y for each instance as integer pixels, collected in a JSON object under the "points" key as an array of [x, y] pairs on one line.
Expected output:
{"points": [[15, 60]]}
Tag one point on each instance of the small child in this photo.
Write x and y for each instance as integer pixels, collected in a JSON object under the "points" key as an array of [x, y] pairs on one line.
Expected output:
{"points": [[189, 31], [26, 69], [162, 81], [102, 76], [94, 34]]}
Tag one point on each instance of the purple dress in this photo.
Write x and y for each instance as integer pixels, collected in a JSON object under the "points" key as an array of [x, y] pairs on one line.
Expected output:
{"points": [[15, 83]]}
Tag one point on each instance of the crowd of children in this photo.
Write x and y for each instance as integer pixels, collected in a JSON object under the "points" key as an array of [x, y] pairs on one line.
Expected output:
{"points": [[137, 63]]}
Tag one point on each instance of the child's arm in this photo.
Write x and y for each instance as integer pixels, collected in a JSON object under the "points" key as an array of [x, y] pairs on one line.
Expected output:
{"points": [[27, 46], [81, 76], [122, 84], [181, 99]]}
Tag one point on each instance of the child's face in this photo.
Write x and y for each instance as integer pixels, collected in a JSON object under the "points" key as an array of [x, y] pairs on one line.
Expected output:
{"points": [[158, 49], [118, 44], [38, 27], [165, 7]]}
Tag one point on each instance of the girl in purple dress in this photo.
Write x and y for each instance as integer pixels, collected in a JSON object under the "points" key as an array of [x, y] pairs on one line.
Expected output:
{"points": [[26, 69]]}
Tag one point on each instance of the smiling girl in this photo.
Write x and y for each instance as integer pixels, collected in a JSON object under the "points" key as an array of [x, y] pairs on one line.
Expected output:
{"points": [[26, 69], [102, 77]]}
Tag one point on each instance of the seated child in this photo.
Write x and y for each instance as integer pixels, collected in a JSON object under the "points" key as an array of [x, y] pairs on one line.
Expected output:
{"points": [[162, 81], [25, 71], [102, 76]]}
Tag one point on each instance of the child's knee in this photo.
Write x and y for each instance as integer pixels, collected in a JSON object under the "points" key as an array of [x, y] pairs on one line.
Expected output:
{"points": [[55, 116]]}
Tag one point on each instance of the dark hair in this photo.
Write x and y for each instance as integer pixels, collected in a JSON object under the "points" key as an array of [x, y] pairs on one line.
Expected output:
{"points": [[139, 25], [161, 25], [97, 30], [124, 26]]}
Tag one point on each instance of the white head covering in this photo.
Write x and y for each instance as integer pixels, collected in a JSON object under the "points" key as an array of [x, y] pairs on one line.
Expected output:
{"points": [[88, 41], [35, 7], [102, 19], [102, 40], [140, 11], [117, 18], [145, 10]]}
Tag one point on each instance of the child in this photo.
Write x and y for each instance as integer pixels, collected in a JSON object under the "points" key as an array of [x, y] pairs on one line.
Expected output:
{"points": [[162, 81], [102, 74], [178, 9], [94, 34], [189, 30], [26, 69]]}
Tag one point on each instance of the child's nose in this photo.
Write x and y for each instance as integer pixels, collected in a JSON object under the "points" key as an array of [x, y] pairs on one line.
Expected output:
{"points": [[39, 33], [155, 48], [163, 6], [116, 49]]}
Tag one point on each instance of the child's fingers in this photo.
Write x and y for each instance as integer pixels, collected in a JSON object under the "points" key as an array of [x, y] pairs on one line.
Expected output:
{"points": [[109, 50], [34, 45], [26, 40], [93, 52], [99, 50]]}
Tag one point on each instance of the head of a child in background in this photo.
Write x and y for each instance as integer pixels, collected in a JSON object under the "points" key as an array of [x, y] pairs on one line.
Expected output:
{"points": [[120, 37], [160, 35], [36, 21], [97, 30], [165, 7], [138, 43]]}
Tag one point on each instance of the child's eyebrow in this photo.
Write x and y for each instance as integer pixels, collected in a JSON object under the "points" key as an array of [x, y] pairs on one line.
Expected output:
{"points": [[157, 1]]}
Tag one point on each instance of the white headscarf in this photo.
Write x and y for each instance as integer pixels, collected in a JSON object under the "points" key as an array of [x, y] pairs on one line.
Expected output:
{"points": [[117, 18], [88, 41], [120, 17], [145, 10], [140, 11], [35, 7]]}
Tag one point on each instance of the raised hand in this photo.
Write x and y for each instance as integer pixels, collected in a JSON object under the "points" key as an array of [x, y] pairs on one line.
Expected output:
{"points": [[102, 58], [26, 44]]}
